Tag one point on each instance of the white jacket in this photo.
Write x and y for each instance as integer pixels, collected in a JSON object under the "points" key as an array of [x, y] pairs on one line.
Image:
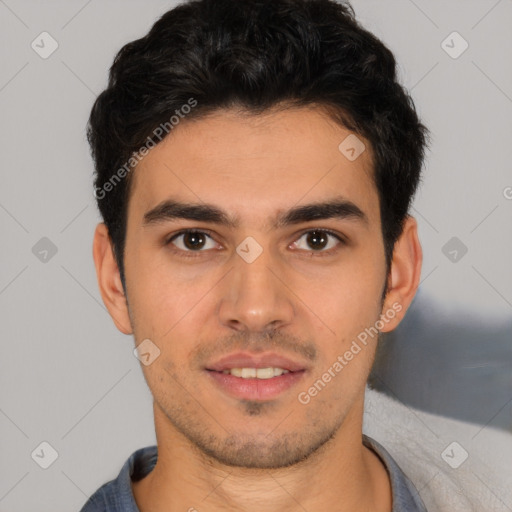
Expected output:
{"points": [[456, 466]]}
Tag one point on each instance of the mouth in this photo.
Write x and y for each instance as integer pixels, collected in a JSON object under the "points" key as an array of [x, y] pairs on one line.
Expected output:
{"points": [[255, 373], [255, 377]]}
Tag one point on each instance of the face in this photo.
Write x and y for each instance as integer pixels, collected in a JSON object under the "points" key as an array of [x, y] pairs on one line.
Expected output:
{"points": [[227, 268]]}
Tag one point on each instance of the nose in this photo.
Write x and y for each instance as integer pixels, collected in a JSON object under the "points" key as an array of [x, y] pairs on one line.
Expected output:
{"points": [[255, 296]]}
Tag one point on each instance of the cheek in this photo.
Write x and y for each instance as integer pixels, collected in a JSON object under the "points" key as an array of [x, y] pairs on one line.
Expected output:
{"points": [[173, 311], [350, 305], [352, 295]]}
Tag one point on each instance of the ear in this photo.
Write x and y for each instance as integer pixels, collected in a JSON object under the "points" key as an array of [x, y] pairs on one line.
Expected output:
{"points": [[404, 276], [109, 279]]}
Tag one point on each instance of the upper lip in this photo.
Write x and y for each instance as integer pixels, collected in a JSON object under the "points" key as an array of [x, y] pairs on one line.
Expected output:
{"points": [[247, 360]]}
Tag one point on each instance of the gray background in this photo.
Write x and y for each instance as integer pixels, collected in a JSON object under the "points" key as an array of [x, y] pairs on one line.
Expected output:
{"points": [[69, 378]]}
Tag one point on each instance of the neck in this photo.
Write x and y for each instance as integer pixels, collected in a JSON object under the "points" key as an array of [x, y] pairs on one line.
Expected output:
{"points": [[341, 475]]}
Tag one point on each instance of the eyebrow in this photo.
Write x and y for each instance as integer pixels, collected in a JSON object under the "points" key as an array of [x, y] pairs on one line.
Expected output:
{"points": [[337, 208]]}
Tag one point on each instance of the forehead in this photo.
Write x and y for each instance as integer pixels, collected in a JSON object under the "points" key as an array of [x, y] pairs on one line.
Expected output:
{"points": [[256, 166]]}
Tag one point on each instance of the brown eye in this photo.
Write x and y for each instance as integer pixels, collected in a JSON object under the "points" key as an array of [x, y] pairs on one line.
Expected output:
{"points": [[193, 241], [318, 240]]}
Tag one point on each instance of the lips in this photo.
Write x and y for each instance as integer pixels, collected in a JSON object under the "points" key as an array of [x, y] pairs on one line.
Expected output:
{"points": [[247, 360], [255, 389], [261, 389]]}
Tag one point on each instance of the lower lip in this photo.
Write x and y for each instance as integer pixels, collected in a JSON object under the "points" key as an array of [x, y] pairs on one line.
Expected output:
{"points": [[255, 389]]}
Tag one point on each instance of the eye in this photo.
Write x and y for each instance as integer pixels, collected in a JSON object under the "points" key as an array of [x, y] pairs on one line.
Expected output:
{"points": [[192, 241], [318, 241]]}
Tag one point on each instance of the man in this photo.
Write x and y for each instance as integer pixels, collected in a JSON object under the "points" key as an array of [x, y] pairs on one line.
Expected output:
{"points": [[255, 163]]}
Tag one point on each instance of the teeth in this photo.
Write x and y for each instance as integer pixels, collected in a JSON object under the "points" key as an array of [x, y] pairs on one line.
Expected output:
{"points": [[249, 373], [258, 373]]}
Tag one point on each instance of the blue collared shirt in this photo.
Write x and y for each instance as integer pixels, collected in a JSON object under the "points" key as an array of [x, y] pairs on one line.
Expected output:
{"points": [[117, 495]]}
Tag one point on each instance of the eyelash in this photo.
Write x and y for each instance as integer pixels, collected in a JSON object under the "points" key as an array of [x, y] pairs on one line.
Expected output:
{"points": [[195, 254]]}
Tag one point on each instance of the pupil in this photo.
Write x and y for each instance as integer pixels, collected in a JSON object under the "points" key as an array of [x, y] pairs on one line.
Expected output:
{"points": [[317, 240], [194, 240]]}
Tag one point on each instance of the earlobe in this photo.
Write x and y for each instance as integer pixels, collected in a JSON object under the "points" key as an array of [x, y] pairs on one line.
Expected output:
{"points": [[405, 274], [109, 279]]}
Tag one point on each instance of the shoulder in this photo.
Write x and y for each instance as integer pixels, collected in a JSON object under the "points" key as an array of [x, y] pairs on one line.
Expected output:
{"points": [[405, 495], [103, 499], [451, 468], [116, 495]]}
